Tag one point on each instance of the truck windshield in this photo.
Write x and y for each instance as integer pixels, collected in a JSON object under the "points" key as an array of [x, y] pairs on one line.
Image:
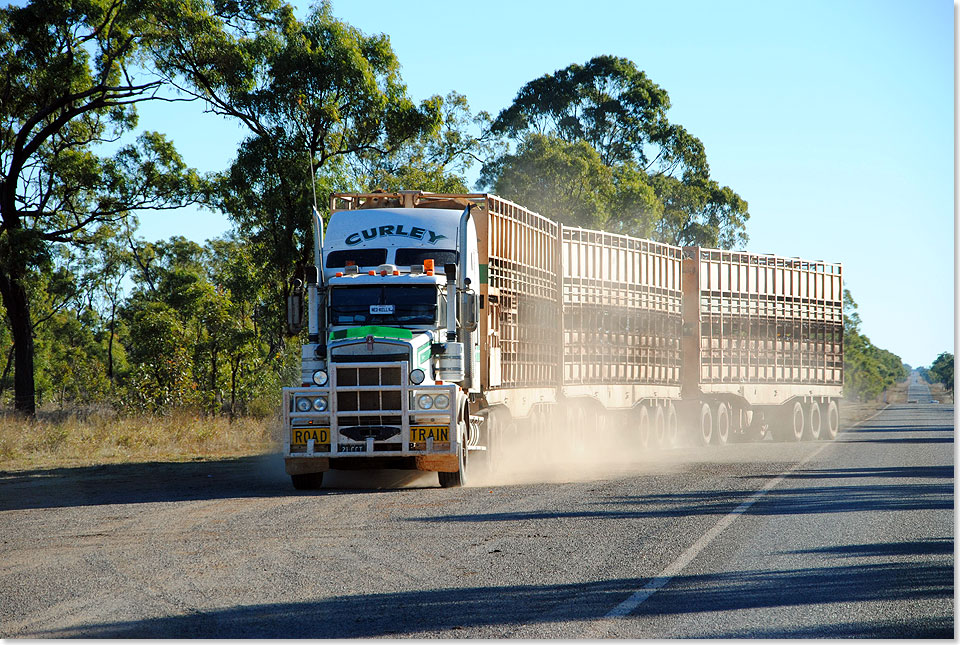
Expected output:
{"points": [[407, 305]]}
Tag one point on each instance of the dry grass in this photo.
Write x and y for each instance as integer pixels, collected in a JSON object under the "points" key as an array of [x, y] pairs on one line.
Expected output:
{"points": [[59, 440], [941, 394]]}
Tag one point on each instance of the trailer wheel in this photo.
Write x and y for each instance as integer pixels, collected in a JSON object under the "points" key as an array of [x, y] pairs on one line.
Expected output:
{"points": [[790, 426], [813, 422], [307, 481], [832, 422], [706, 425], [659, 426], [643, 426], [671, 427], [722, 430]]}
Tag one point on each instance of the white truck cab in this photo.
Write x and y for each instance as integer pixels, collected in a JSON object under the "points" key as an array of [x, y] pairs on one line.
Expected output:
{"points": [[391, 357]]}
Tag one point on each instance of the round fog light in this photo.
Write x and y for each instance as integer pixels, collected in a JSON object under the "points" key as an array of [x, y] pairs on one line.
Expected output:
{"points": [[424, 401], [442, 401], [303, 405], [320, 378], [320, 403], [417, 376]]}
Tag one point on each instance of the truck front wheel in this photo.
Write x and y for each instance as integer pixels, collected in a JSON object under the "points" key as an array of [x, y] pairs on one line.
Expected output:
{"points": [[459, 478]]}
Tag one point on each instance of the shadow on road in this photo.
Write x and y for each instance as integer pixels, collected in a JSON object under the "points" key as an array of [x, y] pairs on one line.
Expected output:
{"points": [[778, 501], [901, 440], [445, 612], [259, 476], [934, 546]]}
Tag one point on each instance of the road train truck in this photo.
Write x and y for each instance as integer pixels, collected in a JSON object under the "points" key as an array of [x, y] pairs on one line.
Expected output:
{"points": [[441, 325]]}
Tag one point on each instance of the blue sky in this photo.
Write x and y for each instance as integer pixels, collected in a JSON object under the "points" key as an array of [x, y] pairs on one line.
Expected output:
{"points": [[834, 120]]}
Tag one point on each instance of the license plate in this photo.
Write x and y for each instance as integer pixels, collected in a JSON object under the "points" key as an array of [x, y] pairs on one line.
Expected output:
{"points": [[437, 433], [302, 435]]}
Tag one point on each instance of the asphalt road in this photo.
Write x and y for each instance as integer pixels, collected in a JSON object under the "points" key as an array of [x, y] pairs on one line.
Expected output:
{"points": [[852, 538]]}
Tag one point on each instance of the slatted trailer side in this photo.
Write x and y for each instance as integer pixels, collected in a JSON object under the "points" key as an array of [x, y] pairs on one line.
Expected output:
{"points": [[761, 333]]}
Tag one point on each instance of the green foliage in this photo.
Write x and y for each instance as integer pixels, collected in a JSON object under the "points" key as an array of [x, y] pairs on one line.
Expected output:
{"points": [[942, 370], [72, 76], [868, 370], [324, 94], [594, 148], [436, 160], [567, 181]]}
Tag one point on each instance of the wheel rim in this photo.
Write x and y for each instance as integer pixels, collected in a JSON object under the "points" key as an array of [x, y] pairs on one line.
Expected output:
{"points": [[644, 427], [706, 424], [833, 419], [723, 425], [659, 430], [815, 421], [797, 418], [670, 433]]}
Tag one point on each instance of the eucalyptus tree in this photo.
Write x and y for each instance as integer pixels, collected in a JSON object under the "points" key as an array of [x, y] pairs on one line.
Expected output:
{"points": [[663, 185], [313, 94], [436, 160], [942, 370], [71, 75]]}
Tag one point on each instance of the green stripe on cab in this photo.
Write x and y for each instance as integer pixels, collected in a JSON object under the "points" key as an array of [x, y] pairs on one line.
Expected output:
{"points": [[372, 330]]}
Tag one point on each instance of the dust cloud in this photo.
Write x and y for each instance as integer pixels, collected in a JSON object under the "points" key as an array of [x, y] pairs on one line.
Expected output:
{"points": [[570, 443]]}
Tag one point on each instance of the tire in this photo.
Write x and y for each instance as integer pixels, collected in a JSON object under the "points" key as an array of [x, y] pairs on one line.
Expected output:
{"points": [[721, 431], [461, 477], [643, 426], [813, 422], [307, 481], [671, 428], [704, 436], [659, 426], [791, 423], [831, 421]]}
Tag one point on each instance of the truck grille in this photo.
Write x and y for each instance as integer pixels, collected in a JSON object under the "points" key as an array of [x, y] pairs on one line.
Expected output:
{"points": [[350, 376], [368, 400]]}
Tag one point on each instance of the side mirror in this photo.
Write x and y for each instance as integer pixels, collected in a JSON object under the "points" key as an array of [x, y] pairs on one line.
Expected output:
{"points": [[295, 309], [469, 319]]}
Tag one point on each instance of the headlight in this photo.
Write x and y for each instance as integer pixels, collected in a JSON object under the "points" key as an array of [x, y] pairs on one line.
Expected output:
{"points": [[417, 376], [320, 378], [320, 403], [442, 401], [304, 405], [424, 401]]}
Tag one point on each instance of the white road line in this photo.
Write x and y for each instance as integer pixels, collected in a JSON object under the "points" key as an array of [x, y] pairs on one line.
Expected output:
{"points": [[678, 565]]}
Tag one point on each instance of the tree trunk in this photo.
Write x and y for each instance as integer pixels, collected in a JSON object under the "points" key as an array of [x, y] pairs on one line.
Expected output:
{"points": [[113, 318], [18, 313]]}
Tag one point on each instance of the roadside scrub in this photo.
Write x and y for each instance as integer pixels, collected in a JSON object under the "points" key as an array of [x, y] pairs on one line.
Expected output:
{"points": [[59, 439]]}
